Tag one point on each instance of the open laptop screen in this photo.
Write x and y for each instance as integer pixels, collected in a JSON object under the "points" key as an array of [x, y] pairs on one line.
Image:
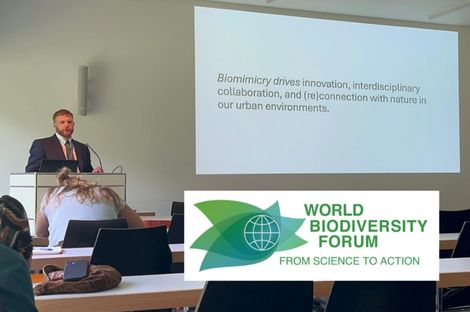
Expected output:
{"points": [[54, 165]]}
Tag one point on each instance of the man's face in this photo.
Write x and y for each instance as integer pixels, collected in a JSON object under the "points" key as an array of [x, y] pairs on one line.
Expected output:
{"points": [[63, 125]]}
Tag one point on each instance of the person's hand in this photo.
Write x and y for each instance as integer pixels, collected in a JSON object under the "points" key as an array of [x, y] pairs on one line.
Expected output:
{"points": [[98, 170]]}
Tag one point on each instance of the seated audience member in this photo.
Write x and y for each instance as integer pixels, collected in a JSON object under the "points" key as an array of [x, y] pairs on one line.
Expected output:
{"points": [[16, 292], [77, 199]]}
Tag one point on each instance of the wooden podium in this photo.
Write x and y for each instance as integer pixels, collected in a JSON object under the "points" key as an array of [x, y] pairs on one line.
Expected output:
{"points": [[30, 188]]}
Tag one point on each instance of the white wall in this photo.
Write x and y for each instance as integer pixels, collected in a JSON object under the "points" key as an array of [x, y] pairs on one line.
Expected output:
{"points": [[141, 97]]}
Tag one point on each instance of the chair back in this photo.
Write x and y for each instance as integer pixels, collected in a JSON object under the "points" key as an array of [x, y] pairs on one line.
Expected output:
{"points": [[133, 251], [383, 296], [177, 207], [452, 221], [272, 296], [176, 230], [462, 247], [82, 233]]}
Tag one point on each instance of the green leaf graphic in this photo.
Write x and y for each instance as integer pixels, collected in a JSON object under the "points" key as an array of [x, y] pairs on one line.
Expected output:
{"points": [[244, 234]]}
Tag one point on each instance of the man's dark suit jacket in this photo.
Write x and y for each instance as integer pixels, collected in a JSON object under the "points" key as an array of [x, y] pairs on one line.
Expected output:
{"points": [[50, 148]]}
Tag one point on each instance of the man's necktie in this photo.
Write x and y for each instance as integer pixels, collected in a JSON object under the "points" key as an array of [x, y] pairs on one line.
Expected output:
{"points": [[67, 150]]}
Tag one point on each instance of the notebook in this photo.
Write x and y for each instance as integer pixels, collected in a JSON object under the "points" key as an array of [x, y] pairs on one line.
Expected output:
{"points": [[54, 165]]}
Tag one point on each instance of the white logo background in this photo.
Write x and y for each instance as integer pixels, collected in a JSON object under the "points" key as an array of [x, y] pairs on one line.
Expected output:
{"points": [[388, 205]]}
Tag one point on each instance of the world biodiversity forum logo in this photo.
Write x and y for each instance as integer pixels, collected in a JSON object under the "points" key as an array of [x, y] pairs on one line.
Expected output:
{"points": [[244, 234]]}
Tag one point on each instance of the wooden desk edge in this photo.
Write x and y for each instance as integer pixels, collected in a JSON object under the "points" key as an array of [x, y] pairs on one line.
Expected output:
{"points": [[322, 289], [145, 213], [457, 279], [177, 256], [38, 264], [447, 244], [125, 302], [40, 241]]}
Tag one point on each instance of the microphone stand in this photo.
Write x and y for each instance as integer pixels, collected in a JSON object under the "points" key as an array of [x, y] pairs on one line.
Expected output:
{"points": [[96, 154]]}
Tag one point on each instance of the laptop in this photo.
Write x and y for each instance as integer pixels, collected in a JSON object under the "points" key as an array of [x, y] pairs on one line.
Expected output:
{"points": [[54, 165]]}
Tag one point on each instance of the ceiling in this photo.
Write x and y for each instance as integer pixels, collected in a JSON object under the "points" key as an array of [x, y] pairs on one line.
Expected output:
{"points": [[451, 12]]}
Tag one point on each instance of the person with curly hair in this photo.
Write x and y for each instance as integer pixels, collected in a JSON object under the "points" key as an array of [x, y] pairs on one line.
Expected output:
{"points": [[77, 199]]}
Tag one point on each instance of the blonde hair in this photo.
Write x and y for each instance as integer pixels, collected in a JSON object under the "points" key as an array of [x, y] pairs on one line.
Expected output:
{"points": [[83, 190]]}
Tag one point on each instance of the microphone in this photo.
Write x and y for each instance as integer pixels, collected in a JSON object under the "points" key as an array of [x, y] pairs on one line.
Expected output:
{"points": [[117, 167], [96, 154]]}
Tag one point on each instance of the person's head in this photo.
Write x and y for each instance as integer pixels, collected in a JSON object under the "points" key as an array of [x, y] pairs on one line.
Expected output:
{"points": [[63, 123], [14, 227], [82, 190]]}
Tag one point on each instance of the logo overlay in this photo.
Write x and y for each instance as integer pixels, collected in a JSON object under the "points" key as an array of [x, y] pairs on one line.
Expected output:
{"points": [[244, 234], [311, 235]]}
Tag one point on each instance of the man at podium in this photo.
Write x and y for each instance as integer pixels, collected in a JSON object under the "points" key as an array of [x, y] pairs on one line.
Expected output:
{"points": [[60, 146]]}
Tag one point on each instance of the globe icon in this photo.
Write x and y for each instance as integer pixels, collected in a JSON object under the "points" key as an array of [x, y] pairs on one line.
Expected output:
{"points": [[261, 232]]}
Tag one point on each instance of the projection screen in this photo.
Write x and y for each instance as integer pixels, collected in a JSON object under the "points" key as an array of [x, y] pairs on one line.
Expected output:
{"points": [[285, 94]]}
